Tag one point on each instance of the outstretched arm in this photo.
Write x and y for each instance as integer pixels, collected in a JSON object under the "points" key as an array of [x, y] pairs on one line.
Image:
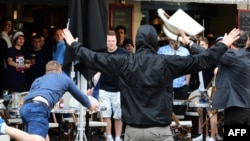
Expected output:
{"points": [[202, 60], [96, 60], [228, 39]]}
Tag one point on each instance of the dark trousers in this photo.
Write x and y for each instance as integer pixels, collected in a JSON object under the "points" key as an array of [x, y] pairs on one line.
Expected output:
{"points": [[237, 116], [180, 94]]}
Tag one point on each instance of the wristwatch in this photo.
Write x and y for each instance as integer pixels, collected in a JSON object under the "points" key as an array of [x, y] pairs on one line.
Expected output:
{"points": [[190, 43]]}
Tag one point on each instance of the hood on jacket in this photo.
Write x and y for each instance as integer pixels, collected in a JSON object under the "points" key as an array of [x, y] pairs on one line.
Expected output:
{"points": [[146, 39]]}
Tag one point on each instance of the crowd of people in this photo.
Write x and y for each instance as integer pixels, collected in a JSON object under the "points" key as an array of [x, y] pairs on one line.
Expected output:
{"points": [[138, 88], [135, 95], [23, 57]]}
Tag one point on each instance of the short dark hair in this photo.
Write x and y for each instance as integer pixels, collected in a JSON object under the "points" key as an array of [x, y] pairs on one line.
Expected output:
{"points": [[128, 41], [4, 20], [37, 36], [241, 42], [121, 27], [111, 33], [211, 41]]}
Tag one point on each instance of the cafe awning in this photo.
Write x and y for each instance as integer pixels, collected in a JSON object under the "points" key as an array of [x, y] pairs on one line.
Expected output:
{"points": [[206, 1]]}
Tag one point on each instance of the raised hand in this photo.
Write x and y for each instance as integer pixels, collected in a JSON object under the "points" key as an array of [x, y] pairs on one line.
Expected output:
{"points": [[94, 104], [228, 39], [184, 39], [68, 37]]}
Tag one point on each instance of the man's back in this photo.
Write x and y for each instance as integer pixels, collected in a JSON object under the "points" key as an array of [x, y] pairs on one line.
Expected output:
{"points": [[107, 81], [145, 78], [52, 87], [233, 79]]}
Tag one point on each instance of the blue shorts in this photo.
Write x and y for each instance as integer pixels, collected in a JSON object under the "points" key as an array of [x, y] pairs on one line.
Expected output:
{"points": [[35, 118]]}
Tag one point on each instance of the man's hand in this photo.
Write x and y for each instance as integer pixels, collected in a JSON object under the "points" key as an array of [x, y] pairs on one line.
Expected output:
{"points": [[94, 104], [228, 39], [184, 39], [90, 91], [93, 107], [68, 37]]}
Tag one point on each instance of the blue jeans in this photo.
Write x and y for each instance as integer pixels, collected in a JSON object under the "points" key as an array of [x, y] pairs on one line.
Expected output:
{"points": [[35, 118]]}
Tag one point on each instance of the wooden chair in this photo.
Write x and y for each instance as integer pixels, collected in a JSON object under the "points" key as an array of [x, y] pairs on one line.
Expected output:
{"points": [[183, 128], [11, 115], [96, 125], [15, 122], [93, 123], [54, 125]]}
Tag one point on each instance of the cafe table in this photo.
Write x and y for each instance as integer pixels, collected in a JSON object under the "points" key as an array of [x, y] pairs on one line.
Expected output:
{"points": [[61, 112], [203, 106]]}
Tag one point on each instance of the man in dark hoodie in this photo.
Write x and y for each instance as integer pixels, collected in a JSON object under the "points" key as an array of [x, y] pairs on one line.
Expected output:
{"points": [[145, 79]]}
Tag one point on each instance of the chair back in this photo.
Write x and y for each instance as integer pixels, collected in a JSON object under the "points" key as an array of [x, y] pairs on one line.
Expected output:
{"points": [[4, 138], [179, 20]]}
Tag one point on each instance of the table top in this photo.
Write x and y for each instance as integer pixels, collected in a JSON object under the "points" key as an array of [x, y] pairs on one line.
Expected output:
{"points": [[179, 102], [1, 104], [7, 97], [199, 105], [65, 110]]}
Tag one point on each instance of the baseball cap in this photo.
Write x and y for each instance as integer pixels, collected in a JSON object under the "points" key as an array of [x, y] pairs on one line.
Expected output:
{"points": [[218, 39], [17, 34]]}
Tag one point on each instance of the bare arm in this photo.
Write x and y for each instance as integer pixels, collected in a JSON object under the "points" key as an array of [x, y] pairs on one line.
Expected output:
{"points": [[96, 78], [14, 64], [188, 76]]}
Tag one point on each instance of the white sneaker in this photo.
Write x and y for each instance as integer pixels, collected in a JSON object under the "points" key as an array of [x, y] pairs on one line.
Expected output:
{"points": [[110, 139], [211, 139], [218, 137], [199, 138]]}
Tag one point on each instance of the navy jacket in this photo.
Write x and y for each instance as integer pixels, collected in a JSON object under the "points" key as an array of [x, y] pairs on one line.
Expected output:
{"points": [[233, 80]]}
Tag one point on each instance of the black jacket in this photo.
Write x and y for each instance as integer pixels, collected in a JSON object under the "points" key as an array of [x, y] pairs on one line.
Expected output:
{"points": [[145, 78]]}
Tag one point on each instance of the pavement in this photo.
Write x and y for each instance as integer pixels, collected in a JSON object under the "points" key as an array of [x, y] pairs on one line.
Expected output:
{"points": [[54, 136]]}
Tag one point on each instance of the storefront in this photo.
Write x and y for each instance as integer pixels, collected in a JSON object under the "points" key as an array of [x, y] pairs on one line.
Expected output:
{"points": [[215, 16]]}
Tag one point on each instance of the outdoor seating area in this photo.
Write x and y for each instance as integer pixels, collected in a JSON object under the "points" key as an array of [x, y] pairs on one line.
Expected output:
{"points": [[58, 120], [184, 127]]}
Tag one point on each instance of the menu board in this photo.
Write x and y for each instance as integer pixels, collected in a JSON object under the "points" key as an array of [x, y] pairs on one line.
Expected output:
{"points": [[244, 20], [121, 15]]}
